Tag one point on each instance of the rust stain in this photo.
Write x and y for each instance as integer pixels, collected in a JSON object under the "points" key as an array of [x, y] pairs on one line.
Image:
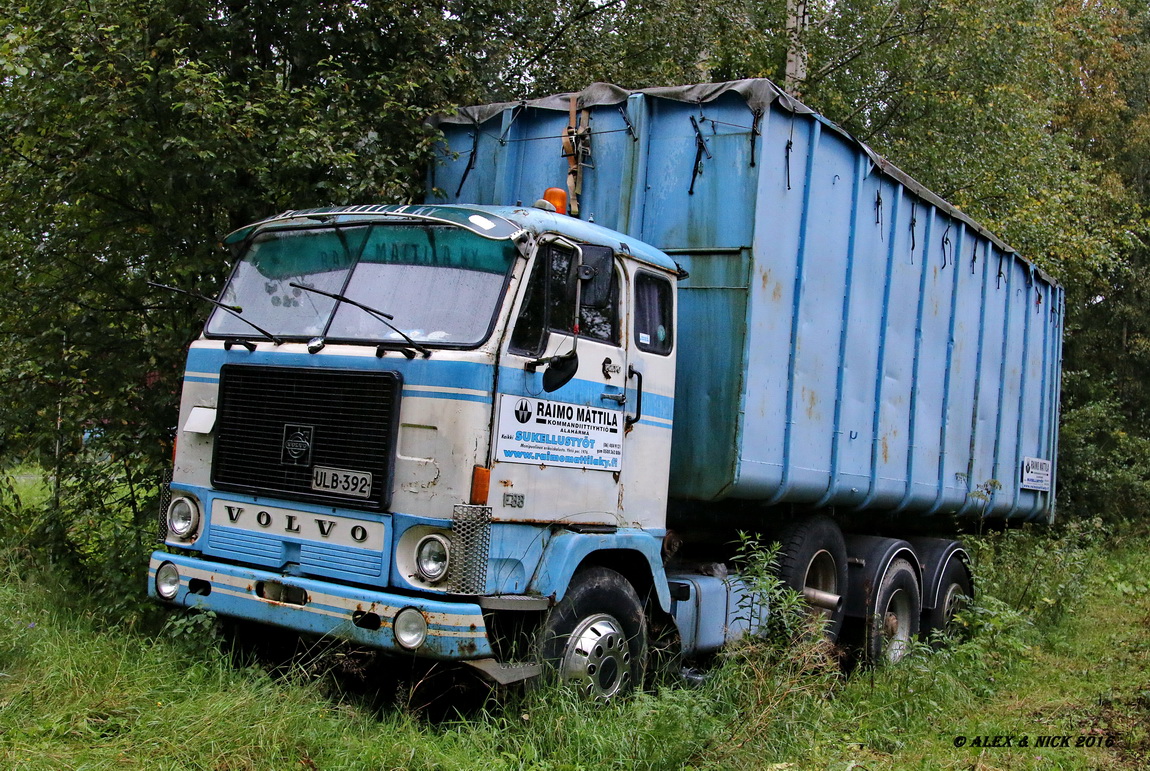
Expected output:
{"points": [[812, 401], [885, 450], [553, 523], [766, 280], [777, 295], [506, 483]]}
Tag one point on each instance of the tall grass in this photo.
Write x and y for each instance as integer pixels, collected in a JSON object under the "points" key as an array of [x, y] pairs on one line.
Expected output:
{"points": [[83, 687], [76, 694], [24, 496]]}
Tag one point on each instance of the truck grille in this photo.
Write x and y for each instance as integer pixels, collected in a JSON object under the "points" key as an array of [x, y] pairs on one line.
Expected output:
{"points": [[275, 424]]}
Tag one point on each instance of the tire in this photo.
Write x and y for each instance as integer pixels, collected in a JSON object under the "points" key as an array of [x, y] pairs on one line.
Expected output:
{"points": [[954, 591], [595, 639], [897, 609], [813, 554]]}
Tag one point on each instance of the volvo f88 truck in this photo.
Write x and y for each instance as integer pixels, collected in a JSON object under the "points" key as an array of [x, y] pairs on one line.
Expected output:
{"points": [[525, 437]]}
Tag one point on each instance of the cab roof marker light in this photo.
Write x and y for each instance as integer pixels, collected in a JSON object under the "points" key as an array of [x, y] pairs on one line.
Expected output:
{"points": [[554, 199]]}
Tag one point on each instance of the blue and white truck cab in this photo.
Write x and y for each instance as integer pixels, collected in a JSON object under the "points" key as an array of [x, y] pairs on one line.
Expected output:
{"points": [[403, 422]]}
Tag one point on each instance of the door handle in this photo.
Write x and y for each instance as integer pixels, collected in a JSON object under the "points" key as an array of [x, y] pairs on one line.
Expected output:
{"points": [[632, 420]]}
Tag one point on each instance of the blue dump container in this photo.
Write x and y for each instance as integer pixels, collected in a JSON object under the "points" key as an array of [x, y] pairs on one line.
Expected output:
{"points": [[847, 338]]}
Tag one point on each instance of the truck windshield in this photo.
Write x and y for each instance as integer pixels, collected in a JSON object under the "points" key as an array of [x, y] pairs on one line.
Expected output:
{"points": [[441, 283]]}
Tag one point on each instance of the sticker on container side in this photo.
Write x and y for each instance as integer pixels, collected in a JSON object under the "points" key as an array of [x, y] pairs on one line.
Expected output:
{"points": [[541, 432], [1036, 474]]}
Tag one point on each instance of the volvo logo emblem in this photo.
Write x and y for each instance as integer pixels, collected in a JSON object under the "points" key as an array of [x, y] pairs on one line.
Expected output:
{"points": [[523, 411], [297, 445]]}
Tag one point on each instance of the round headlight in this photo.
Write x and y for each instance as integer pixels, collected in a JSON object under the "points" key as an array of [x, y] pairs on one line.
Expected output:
{"points": [[432, 556], [410, 628], [183, 516], [167, 581]]}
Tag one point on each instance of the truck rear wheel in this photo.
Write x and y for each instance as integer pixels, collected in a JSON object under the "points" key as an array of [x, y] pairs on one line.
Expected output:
{"points": [[595, 639], [897, 608], [813, 555], [954, 590]]}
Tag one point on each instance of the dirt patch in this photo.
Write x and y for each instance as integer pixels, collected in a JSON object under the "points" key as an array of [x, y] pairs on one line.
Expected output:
{"points": [[1126, 720]]}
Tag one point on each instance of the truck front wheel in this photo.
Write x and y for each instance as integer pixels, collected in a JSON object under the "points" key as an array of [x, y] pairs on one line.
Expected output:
{"points": [[595, 639]]}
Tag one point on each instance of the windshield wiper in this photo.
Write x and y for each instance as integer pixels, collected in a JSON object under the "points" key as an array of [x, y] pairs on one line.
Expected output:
{"points": [[384, 317], [235, 310]]}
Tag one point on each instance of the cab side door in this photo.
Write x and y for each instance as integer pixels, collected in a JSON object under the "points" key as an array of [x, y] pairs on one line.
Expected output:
{"points": [[560, 424]]}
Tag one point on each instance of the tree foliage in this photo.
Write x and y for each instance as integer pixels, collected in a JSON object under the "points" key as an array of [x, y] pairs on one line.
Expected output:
{"points": [[1031, 115], [134, 132]]}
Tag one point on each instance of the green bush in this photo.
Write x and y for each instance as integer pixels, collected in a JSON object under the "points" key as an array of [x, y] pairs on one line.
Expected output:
{"points": [[1042, 573]]}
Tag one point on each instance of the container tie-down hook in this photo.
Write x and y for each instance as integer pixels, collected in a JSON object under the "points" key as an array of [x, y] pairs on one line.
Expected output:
{"points": [[913, 228], [700, 151], [470, 160], [755, 132], [630, 128]]}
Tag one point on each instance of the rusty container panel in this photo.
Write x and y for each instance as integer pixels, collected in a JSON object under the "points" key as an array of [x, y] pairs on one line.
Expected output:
{"points": [[846, 337]]}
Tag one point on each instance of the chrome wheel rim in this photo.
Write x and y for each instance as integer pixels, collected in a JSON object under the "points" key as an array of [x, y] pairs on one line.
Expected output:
{"points": [[597, 659], [951, 604], [822, 574], [896, 622]]}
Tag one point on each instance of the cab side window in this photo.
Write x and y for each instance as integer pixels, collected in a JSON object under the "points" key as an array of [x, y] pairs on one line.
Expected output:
{"points": [[530, 330], [653, 314], [549, 305]]}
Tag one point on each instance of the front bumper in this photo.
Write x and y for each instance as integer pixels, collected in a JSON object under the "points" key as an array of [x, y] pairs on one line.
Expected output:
{"points": [[456, 630]]}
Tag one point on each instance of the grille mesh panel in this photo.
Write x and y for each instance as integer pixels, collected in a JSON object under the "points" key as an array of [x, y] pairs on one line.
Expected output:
{"points": [[471, 539], [346, 420], [165, 499]]}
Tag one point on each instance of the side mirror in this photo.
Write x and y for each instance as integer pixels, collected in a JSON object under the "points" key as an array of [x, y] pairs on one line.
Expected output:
{"points": [[594, 273], [560, 370]]}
